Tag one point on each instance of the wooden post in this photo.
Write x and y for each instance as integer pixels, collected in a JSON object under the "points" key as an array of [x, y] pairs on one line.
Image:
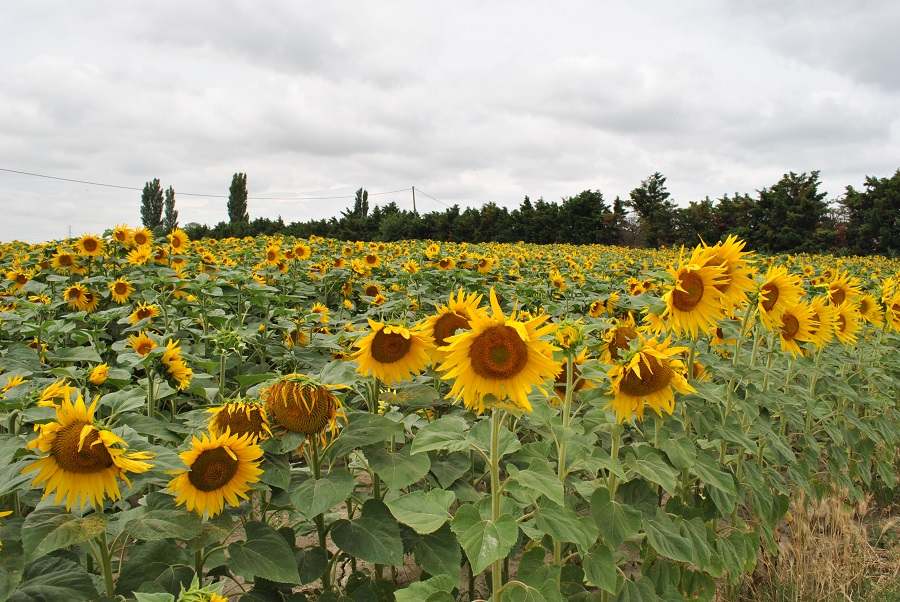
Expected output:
{"points": [[414, 198]]}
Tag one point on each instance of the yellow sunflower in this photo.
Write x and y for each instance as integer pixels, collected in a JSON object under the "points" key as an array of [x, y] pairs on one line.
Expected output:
{"points": [[82, 461], [617, 339], [822, 330], [892, 311], [60, 390], [240, 418], [392, 352], [99, 374], [120, 290], [647, 377], [301, 404], [844, 287], [846, 322], [64, 260], [501, 357], [141, 237], [220, 468], [737, 269], [90, 301], [777, 291], [121, 234], [797, 325], [2, 515], [320, 310], [141, 343], [451, 318], [74, 296], [178, 241], [869, 310], [446, 263], [144, 311], [89, 245], [578, 383], [176, 369], [139, 255], [694, 301]]}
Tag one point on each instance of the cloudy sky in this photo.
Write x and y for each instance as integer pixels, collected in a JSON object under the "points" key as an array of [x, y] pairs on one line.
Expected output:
{"points": [[469, 102]]}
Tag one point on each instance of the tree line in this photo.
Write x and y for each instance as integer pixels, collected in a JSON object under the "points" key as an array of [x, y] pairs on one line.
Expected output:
{"points": [[791, 216]]}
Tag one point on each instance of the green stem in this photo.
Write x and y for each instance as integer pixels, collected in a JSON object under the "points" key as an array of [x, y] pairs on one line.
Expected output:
{"points": [[106, 564], [561, 467], [497, 566], [320, 518]]}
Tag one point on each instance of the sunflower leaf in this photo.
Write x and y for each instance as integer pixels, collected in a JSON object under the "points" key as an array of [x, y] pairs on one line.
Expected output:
{"points": [[397, 469], [617, 522], [75, 354], [484, 540], [159, 562], [265, 554], [56, 579], [374, 537], [439, 552], [363, 429], [446, 433], [317, 496], [563, 524], [49, 529], [424, 589], [162, 524], [540, 478], [424, 512]]}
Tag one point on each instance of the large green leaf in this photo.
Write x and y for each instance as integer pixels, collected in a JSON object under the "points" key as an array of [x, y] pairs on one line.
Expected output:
{"points": [[316, 496], [48, 529], [680, 450], [424, 512], [160, 562], [397, 469], [374, 537], [563, 524], [484, 541], [277, 471], [265, 554], [439, 552], [649, 464], [480, 437], [163, 524], [75, 354], [617, 522], [639, 591], [663, 534], [446, 433], [540, 478], [600, 568], [422, 590], [12, 562], [54, 579], [447, 470], [707, 468], [363, 429]]}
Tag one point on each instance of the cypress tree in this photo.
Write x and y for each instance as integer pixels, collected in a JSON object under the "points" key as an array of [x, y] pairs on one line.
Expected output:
{"points": [[151, 204], [237, 199], [171, 219]]}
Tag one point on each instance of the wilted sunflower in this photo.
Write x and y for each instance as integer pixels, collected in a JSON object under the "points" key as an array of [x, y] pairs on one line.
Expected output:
{"points": [[693, 302], [120, 290], [392, 352], [451, 318], [240, 418], [647, 377], [89, 245], [501, 357], [303, 405], [778, 290], [83, 461], [220, 468]]}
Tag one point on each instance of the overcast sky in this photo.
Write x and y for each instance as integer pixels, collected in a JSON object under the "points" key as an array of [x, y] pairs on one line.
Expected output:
{"points": [[469, 102]]}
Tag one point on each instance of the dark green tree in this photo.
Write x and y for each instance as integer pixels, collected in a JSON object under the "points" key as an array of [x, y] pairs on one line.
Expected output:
{"points": [[873, 216], [152, 204], [586, 219], [170, 221], [696, 222], [654, 210], [788, 214], [237, 200]]}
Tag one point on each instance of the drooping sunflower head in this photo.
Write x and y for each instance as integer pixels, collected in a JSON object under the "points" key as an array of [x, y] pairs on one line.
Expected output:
{"points": [[81, 461], [499, 359], [694, 300], [220, 468], [240, 418], [301, 404], [392, 352], [647, 377]]}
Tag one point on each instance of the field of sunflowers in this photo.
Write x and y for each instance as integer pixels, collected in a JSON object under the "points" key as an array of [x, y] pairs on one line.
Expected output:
{"points": [[273, 419]]}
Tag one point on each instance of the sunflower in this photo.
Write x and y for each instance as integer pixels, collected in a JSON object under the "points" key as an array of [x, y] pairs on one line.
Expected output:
{"points": [[141, 237], [597, 308], [60, 390], [121, 234], [846, 322], [450, 319], [321, 311], [219, 468], [737, 270], [273, 255], [617, 340], [99, 374], [91, 301], [301, 251], [240, 418], [694, 301], [778, 290], [843, 287], [64, 260], [296, 337], [120, 290], [371, 289], [178, 240], [892, 310], [869, 310], [139, 255], [300, 404], [823, 316], [141, 343], [446, 263], [501, 357], [647, 377], [144, 311], [89, 245], [393, 352], [176, 369], [797, 325], [578, 383], [74, 296], [372, 260], [82, 461], [18, 277]]}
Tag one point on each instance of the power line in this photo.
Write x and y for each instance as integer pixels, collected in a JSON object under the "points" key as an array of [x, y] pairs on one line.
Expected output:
{"points": [[215, 196], [419, 190]]}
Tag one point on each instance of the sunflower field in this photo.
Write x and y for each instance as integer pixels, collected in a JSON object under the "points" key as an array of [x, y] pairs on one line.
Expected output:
{"points": [[276, 419]]}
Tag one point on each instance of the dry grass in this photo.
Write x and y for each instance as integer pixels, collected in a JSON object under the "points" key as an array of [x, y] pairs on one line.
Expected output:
{"points": [[828, 551]]}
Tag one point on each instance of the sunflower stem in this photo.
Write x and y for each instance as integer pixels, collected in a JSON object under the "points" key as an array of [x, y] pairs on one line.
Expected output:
{"points": [[497, 566], [563, 447], [320, 518], [106, 564]]}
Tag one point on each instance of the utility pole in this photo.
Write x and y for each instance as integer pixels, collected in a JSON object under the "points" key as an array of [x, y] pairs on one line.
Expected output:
{"points": [[414, 198]]}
